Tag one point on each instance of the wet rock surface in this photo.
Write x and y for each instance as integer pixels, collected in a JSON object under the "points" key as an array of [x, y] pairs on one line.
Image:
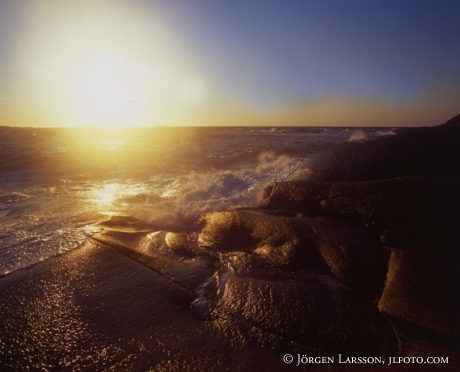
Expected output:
{"points": [[360, 258], [382, 220], [97, 310]]}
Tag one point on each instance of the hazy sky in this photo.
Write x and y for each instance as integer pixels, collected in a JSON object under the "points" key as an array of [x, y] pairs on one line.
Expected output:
{"points": [[210, 62]]}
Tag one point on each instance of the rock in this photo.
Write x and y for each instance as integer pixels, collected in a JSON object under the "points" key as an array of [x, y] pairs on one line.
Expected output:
{"points": [[134, 239], [353, 257], [94, 309], [384, 216], [302, 197], [275, 242], [411, 213], [309, 311], [125, 223], [181, 244], [432, 151], [423, 291]]}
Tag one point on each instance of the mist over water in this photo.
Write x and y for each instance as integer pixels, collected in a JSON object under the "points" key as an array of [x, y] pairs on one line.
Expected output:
{"points": [[54, 181]]}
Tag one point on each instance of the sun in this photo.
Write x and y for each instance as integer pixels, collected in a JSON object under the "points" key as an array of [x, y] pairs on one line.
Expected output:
{"points": [[105, 64], [111, 89]]}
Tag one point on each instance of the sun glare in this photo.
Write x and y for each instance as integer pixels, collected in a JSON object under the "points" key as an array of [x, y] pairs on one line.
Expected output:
{"points": [[106, 194], [111, 193], [110, 89], [105, 65]]}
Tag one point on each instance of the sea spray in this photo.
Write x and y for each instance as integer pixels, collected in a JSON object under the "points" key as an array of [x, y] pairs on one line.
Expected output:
{"points": [[56, 181]]}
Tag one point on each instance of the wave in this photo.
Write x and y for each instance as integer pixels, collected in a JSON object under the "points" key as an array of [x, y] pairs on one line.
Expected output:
{"points": [[357, 135], [40, 224], [185, 198], [387, 132], [50, 177]]}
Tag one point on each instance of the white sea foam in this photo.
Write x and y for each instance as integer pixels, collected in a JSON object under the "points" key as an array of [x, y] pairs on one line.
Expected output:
{"points": [[188, 196], [357, 135], [387, 132]]}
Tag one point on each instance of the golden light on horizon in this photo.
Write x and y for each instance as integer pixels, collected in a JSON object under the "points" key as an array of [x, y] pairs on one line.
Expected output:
{"points": [[105, 65]]}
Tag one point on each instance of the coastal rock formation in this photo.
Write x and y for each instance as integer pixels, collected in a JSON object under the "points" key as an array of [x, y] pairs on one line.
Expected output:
{"points": [[379, 217], [346, 259], [427, 152], [357, 255], [423, 291]]}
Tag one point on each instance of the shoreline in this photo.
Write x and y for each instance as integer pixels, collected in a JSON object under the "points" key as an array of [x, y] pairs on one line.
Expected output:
{"points": [[362, 266]]}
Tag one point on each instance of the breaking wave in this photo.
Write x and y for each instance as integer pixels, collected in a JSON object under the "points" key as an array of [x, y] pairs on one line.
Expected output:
{"points": [[55, 182]]}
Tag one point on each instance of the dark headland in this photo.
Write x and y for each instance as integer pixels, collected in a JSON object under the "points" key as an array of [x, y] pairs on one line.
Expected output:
{"points": [[357, 255]]}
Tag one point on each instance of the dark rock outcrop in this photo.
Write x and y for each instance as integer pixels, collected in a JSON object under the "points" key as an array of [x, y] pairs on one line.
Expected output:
{"points": [[423, 291], [381, 218], [432, 151], [357, 255], [308, 310]]}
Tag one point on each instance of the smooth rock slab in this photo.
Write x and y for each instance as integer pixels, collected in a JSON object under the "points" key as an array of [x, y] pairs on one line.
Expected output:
{"points": [[95, 309]]}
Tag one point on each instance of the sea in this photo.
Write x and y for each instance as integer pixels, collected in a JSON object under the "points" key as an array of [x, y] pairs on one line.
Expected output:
{"points": [[52, 180]]}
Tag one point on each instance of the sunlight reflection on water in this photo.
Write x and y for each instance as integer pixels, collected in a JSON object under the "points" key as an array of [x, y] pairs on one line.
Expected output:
{"points": [[107, 194], [111, 144]]}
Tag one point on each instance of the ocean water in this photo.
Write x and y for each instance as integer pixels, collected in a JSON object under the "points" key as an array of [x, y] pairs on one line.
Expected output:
{"points": [[53, 181]]}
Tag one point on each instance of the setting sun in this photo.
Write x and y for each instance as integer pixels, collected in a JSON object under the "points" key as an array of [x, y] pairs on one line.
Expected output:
{"points": [[105, 65], [111, 89]]}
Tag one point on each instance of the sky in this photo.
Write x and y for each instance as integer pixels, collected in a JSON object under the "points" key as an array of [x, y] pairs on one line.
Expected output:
{"points": [[210, 62]]}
